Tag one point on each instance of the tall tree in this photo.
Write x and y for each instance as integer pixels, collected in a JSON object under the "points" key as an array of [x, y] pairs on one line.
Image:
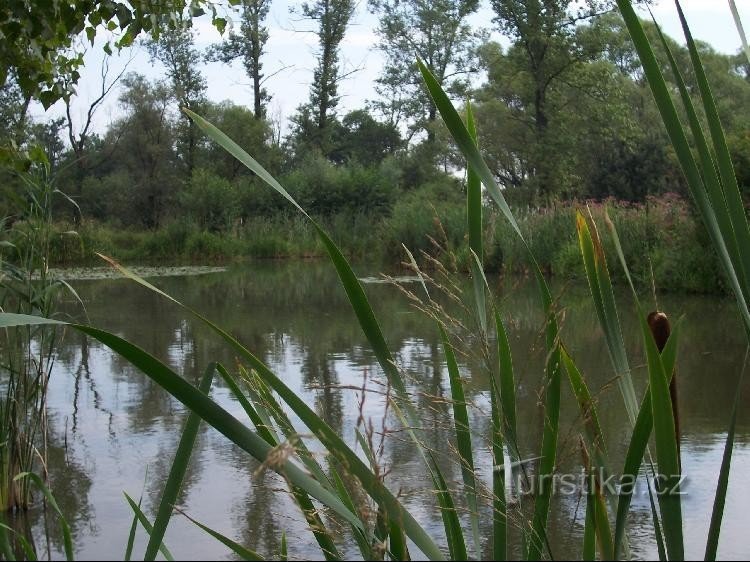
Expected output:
{"points": [[546, 41], [436, 31], [332, 18], [175, 49], [146, 150], [248, 45]]}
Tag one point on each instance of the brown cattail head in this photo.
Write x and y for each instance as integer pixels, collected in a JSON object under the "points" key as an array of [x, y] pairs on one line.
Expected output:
{"points": [[660, 328]]}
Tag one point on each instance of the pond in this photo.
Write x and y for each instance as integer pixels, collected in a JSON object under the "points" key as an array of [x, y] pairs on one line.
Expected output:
{"points": [[114, 431]]}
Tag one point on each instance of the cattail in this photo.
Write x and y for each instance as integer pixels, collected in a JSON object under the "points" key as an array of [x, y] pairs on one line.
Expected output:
{"points": [[660, 328]]}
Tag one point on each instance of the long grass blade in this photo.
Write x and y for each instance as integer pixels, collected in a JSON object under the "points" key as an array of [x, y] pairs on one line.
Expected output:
{"points": [[177, 472], [146, 524], [717, 515], [463, 439], [451, 522], [684, 154], [664, 427], [474, 223], [244, 553], [64, 526], [602, 294], [315, 522], [28, 550]]}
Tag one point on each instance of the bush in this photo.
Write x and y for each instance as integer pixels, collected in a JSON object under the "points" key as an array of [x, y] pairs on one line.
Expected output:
{"points": [[212, 202], [435, 211]]}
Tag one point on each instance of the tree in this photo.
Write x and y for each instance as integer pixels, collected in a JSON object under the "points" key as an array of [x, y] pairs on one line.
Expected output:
{"points": [[251, 134], [332, 18], [38, 38], [145, 140], [175, 49], [436, 31], [364, 140], [14, 106], [547, 46], [248, 45]]}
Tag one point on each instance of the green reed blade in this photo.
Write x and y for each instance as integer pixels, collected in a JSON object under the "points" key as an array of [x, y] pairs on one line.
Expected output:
{"points": [[507, 382], [639, 442], [594, 436], [712, 542], [589, 529], [268, 408], [363, 538], [242, 552], [261, 418], [728, 178], [731, 227], [146, 524], [667, 453], [263, 427], [454, 533], [64, 527], [283, 555], [28, 550], [474, 224], [5, 548], [499, 502], [177, 472], [600, 286], [131, 534], [397, 542], [463, 439], [265, 430]]}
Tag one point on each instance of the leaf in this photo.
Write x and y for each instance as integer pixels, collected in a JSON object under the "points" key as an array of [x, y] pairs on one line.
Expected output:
{"points": [[241, 551], [64, 527], [177, 472]]}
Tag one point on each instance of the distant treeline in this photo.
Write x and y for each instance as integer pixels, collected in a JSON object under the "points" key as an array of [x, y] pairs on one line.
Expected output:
{"points": [[563, 114]]}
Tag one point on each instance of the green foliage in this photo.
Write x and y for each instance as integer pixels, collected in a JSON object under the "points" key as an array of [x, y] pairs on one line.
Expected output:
{"points": [[430, 219], [248, 45], [211, 201], [38, 40], [326, 189]]}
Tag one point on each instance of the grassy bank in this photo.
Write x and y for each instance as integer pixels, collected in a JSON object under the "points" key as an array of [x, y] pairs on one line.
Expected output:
{"points": [[661, 239]]}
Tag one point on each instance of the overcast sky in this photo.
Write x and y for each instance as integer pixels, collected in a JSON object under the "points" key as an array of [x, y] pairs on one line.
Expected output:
{"points": [[290, 57]]}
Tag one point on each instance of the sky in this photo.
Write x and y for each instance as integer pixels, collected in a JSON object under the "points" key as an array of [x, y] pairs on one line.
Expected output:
{"points": [[290, 58]]}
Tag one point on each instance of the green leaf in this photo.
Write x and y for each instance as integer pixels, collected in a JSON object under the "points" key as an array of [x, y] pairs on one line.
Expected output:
{"points": [[143, 520], [64, 527], [463, 439], [177, 472], [241, 551]]}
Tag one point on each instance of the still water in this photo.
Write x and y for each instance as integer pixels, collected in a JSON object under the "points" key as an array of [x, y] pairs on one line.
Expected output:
{"points": [[114, 431]]}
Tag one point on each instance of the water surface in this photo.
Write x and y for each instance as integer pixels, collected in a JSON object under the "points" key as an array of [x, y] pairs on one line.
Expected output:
{"points": [[115, 431]]}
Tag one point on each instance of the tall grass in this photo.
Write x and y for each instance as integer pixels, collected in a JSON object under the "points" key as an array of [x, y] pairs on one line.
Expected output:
{"points": [[27, 352], [273, 441]]}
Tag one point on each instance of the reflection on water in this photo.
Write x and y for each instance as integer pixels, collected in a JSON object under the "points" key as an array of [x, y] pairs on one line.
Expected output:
{"points": [[113, 430]]}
